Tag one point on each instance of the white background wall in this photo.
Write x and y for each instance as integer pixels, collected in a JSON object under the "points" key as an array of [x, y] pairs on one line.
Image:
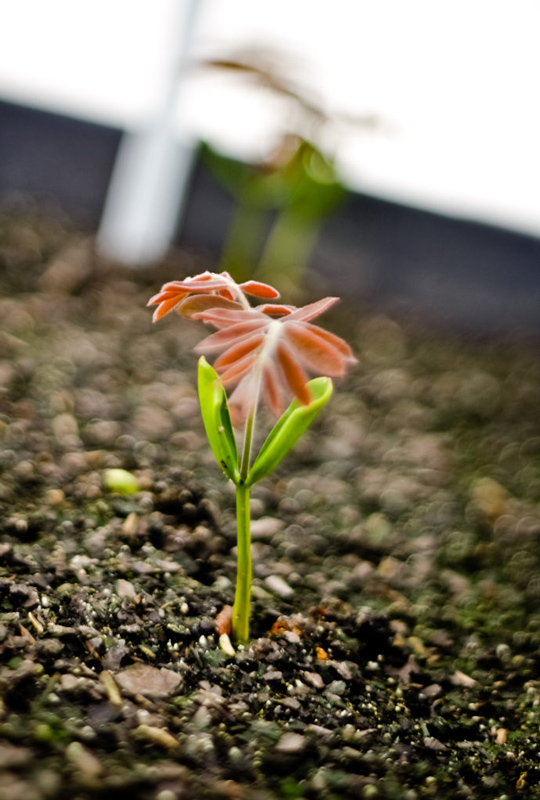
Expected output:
{"points": [[456, 83]]}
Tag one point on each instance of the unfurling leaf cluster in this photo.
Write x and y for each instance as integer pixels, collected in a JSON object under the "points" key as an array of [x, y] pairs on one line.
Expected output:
{"points": [[281, 439]]}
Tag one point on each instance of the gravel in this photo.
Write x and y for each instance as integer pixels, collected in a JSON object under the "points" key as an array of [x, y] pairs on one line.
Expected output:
{"points": [[396, 631]]}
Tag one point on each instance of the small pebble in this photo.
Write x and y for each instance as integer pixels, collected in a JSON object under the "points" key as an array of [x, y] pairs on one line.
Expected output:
{"points": [[265, 527], [291, 744], [278, 586]]}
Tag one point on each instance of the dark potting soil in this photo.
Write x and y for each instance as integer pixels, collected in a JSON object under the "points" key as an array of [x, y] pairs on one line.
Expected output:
{"points": [[396, 620]]}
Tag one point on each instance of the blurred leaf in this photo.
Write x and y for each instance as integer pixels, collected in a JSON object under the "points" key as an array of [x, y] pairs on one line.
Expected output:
{"points": [[314, 186], [268, 68], [228, 171], [307, 180], [248, 183]]}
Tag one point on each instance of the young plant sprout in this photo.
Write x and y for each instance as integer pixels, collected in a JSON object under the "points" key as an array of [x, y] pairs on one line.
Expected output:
{"points": [[266, 353]]}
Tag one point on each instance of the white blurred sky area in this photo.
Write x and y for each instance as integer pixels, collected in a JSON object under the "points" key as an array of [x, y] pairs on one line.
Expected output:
{"points": [[455, 83]]}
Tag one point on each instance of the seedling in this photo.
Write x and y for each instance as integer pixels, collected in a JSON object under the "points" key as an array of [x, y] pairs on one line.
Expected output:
{"points": [[265, 354]]}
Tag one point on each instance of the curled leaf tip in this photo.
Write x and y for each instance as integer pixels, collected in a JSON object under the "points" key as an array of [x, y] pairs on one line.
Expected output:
{"points": [[258, 289]]}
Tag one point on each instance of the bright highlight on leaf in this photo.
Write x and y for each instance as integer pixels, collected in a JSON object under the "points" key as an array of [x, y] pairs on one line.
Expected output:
{"points": [[265, 353]]}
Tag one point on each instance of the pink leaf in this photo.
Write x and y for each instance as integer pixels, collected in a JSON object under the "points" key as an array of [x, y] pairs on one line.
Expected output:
{"points": [[238, 370], [237, 351], [313, 309], [228, 336], [223, 318], [336, 341], [203, 302], [315, 352], [273, 389]]}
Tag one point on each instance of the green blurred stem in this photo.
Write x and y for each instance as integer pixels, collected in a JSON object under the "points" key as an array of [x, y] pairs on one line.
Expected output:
{"points": [[288, 247], [243, 242]]}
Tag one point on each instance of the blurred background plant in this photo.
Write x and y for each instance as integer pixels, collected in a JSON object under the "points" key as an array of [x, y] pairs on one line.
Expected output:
{"points": [[440, 218], [282, 200]]}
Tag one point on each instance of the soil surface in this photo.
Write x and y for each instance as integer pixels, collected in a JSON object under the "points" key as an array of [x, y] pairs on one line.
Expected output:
{"points": [[396, 623]]}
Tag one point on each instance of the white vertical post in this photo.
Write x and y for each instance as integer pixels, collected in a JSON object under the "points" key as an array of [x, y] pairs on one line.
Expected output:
{"points": [[150, 177]]}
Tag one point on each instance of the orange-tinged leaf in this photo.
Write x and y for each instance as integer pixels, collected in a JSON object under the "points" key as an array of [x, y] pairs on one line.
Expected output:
{"points": [[275, 309], [237, 370], [273, 391], [313, 309], [274, 339], [339, 343], [314, 351], [294, 374], [165, 307], [224, 317], [204, 276], [161, 296], [197, 303], [258, 289], [205, 282], [168, 289], [228, 336], [238, 351]]}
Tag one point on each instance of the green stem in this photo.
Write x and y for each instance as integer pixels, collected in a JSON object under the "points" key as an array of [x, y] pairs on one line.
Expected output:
{"points": [[242, 599], [248, 438], [288, 247]]}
